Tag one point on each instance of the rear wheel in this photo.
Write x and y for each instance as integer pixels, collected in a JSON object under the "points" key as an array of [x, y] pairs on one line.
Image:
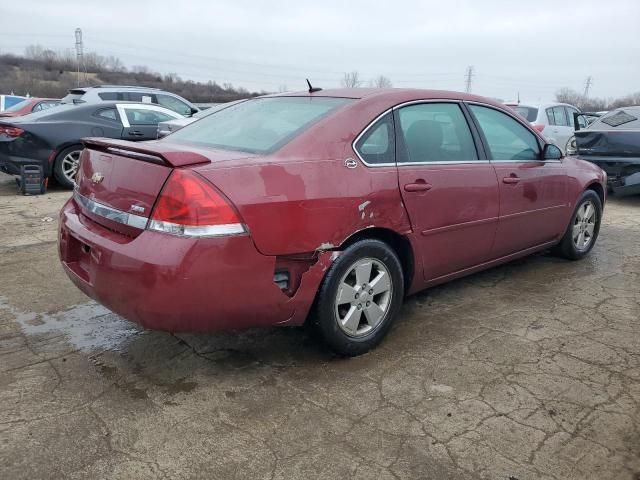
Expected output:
{"points": [[582, 233], [66, 165], [359, 297]]}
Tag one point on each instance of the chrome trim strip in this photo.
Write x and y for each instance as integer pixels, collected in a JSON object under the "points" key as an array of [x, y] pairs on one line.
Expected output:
{"points": [[446, 162], [430, 100], [223, 230], [110, 213]]}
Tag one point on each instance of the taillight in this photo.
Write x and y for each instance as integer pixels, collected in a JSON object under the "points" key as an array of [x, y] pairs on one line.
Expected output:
{"points": [[10, 131], [189, 205], [539, 127]]}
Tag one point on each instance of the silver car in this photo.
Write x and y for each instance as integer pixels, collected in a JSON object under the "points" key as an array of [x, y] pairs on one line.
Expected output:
{"points": [[125, 93]]}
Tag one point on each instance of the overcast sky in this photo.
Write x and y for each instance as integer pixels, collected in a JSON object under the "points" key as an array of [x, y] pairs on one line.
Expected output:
{"points": [[532, 47]]}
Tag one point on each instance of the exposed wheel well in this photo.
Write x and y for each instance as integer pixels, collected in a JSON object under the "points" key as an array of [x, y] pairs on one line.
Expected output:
{"points": [[596, 187], [397, 242]]}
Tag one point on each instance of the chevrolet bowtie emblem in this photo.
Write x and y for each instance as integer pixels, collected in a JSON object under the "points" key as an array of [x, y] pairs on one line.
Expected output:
{"points": [[97, 177]]}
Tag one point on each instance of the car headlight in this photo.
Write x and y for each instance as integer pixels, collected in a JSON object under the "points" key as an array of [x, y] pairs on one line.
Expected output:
{"points": [[572, 147]]}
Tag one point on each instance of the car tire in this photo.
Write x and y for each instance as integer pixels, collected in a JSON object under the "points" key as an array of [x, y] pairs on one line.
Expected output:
{"points": [[359, 298], [583, 229], [66, 166]]}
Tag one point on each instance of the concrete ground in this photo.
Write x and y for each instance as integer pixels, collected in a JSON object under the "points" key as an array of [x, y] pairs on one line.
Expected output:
{"points": [[527, 371]]}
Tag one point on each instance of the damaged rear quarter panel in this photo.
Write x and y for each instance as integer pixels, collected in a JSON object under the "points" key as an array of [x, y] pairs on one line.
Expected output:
{"points": [[301, 205]]}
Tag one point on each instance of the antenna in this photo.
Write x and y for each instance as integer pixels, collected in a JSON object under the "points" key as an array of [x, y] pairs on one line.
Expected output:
{"points": [[518, 98], [78, 51], [313, 89], [469, 76], [587, 86]]}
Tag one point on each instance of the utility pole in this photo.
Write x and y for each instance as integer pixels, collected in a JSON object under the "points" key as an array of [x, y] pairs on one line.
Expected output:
{"points": [[587, 86], [79, 51], [469, 78]]}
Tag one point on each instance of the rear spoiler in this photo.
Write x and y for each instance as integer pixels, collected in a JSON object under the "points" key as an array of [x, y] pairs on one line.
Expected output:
{"points": [[145, 152]]}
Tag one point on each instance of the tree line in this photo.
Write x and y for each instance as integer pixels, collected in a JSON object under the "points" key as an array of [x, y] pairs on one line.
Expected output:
{"points": [[593, 104], [42, 72]]}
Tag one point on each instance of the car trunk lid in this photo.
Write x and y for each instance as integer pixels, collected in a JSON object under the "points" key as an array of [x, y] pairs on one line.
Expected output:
{"points": [[119, 181]]}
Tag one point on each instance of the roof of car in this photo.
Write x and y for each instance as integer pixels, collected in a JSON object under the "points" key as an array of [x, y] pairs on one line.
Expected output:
{"points": [[401, 94]]}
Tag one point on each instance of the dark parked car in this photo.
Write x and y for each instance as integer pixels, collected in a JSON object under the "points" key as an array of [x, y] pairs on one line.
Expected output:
{"points": [[30, 105], [328, 205], [52, 138], [612, 142]]}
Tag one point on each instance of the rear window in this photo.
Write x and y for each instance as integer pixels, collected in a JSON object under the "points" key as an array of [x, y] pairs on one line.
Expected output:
{"points": [[529, 113], [624, 119], [261, 125]]}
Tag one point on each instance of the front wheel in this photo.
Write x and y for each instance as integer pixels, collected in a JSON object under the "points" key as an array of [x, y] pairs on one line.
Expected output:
{"points": [[359, 297], [582, 233], [66, 166]]}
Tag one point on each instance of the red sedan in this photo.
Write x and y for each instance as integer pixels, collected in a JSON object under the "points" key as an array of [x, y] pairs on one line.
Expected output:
{"points": [[30, 105], [329, 206]]}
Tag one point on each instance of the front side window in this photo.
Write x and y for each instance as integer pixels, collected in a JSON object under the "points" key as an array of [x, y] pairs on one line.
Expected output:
{"points": [[506, 138], [377, 144], [174, 104], [261, 125], [435, 132], [139, 116]]}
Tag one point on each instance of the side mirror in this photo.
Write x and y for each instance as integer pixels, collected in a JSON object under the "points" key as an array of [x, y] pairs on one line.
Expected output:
{"points": [[193, 111], [551, 152]]}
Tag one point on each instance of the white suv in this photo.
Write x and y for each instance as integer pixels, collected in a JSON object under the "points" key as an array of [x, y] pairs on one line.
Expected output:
{"points": [[553, 120], [120, 93]]}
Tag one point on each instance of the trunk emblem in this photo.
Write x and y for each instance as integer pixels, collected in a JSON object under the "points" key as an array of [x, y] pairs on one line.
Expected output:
{"points": [[97, 177], [350, 163], [137, 208]]}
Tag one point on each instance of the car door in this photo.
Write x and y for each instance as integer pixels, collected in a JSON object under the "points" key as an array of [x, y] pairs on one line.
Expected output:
{"points": [[560, 128], [448, 186], [141, 121], [533, 192]]}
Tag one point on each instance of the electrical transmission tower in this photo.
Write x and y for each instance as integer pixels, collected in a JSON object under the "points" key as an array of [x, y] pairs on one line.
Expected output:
{"points": [[587, 86], [79, 48], [469, 78]]}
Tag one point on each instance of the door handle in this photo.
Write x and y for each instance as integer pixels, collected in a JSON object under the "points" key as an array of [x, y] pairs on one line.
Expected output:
{"points": [[511, 180], [417, 187], [136, 133]]}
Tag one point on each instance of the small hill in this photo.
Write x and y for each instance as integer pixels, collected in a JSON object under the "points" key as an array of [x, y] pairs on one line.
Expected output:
{"points": [[45, 73]]}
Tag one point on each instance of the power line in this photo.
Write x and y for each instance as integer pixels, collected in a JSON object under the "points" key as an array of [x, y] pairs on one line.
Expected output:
{"points": [[469, 76], [587, 86]]}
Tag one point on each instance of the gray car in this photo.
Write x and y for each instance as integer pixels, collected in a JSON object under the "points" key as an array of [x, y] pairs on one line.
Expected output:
{"points": [[125, 93], [170, 126]]}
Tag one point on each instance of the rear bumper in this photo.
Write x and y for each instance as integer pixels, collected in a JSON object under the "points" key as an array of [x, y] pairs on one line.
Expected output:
{"points": [[175, 284], [11, 164], [623, 173]]}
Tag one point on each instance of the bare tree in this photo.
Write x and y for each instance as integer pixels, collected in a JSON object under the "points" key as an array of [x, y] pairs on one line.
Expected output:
{"points": [[351, 80], [381, 82]]}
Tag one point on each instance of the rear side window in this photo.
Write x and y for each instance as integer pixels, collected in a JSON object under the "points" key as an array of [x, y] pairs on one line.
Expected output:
{"points": [[507, 139], [435, 132], [260, 125], [109, 96], [108, 113], [377, 144]]}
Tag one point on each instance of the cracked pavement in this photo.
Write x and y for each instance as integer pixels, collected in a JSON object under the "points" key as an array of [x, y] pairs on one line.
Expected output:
{"points": [[526, 371]]}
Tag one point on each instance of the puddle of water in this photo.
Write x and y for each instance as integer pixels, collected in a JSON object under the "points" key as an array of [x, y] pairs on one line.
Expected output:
{"points": [[87, 327]]}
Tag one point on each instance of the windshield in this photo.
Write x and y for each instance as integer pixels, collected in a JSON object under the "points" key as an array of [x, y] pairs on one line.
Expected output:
{"points": [[529, 113], [18, 106], [261, 125]]}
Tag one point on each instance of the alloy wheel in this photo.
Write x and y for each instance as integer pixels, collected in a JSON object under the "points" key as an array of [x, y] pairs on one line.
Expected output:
{"points": [[364, 297], [584, 226], [70, 164]]}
